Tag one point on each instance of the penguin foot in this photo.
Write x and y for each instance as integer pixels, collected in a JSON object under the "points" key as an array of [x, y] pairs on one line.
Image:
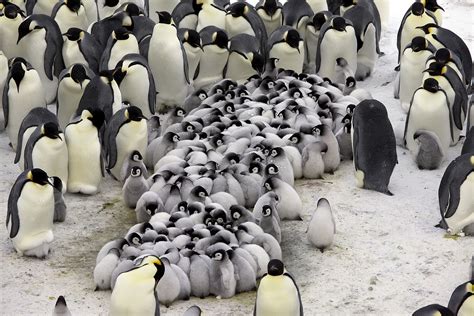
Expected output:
{"points": [[389, 193], [11, 146], [381, 54], [397, 68]]}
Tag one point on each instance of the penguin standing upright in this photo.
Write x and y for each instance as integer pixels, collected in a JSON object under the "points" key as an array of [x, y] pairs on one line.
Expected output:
{"points": [[30, 213], [126, 132], [209, 14], [40, 42], [23, 92], [85, 152], [121, 42], [313, 30], [297, 13], [192, 45], [321, 228], [70, 13], [286, 45], [455, 195], [374, 146], [270, 11], [80, 47], [433, 7], [10, 20], [244, 58], [168, 63], [277, 293]]}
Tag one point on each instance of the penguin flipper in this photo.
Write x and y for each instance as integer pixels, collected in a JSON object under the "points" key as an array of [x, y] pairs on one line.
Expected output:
{"points": [[5, 101], [144, 45], [12, 211], [90, 49], [28, 154], [104, 59], [185, 64], [298, 290]]}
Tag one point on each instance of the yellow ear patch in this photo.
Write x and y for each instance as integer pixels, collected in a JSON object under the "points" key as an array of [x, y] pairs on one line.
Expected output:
{"points": [[126, 114], [42, 129], [472, 160], [285, 35], [214, 36], [246, 10], [29, 175], [186, 35]]}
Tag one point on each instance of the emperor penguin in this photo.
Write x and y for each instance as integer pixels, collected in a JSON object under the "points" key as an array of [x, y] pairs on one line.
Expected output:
{"points": [[297, 13], [289, 205], [60, 308], [277, 293], [322, 227], [23, 92], [462, 300], [412, 65], [209, 14], [455, 195], [337, 39], [121, 42], [70, 13], [433, 309], [135, 290], [433, 7], [47, 149], [313, 30], [286, 45], [270, 11], [81, 47], [135, 80], [373, 145], [86, 167], [185, 15], [168, 64], [429, 153], [72, 84], [126, 132], [30, 213], [244, 58], [434, 116], [242, 18], [214, 58], [446, 57], [60, 207], [192, 45], [10, 20], [40, 42], [409, 28]]}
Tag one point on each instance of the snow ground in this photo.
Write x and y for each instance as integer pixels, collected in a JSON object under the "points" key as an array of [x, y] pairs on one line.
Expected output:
{"points": [[387, 259]]}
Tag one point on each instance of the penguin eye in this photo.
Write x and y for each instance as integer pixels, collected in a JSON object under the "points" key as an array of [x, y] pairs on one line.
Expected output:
{"points": [[219, 142], [195, 239], [219, 91], [218, 256], [181, 209], [267, 211], [135, 241], [268, 186], [242, 94], [271, 85], [148, 211], [180, 113], [202, 96], [266, 151], [220, 220], [233, 162], [201, 194], [236, 215], [175, 139], [296, 95], [189, 128], [294, 140], [274, 153]]}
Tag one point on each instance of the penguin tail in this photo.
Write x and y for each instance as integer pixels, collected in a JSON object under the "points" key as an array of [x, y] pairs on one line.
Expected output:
{"points": [[389, 193]]}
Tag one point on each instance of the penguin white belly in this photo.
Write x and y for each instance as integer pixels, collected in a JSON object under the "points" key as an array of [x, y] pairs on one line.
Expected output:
{"points": [[271, 22], [367, 54], [84, 149], [117, 103], [432, 115], [9, 31], [193, 54], [289, 57], [277, 296], [51, 155], [464, 214], [135, 87], [211, 66], [72, 54], [383, 6], [311, 43], [67, 19], [90, 6], [410, 31], [239, 68], [131, 136], [31, 95], [44, 7], [167, 65], [209, 15], [411, 75], [346, 44], [239, 25], [33, 48], [35, 212], [122, 48], [26, 135], [69, 95], [318, 5]]}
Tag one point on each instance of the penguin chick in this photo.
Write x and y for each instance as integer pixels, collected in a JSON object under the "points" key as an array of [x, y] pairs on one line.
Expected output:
{"points": [[322, 227], [313, 162], [103, 270], [61, 309], [270, 223], [134, 187], [135, 159], [240, 214], [148, 205], [244, 273], [223, 281], [430, 153], [290, 205], [193, 311]]}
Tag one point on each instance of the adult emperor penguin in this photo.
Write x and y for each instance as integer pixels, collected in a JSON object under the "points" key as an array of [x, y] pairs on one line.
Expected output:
{"points": [[46, 149], [415, 17], [185, 15], [455, 195], [30, 213], [135, 80], [241, 18], [433, 309], [192, 45], [297, 13], [85, 152], [214, 58], [287, 46], [337, 39], [374, 146], [244, 58], [10, 20], [209, 14], [277, 293], [412, 65], [126, 132], [462, 300], [81, 47], [70, 13], [313, 29], [40, 42], [135, 290], [270, 11], [321, 228], [121, 42], [168, 63], [72, 84], [23, 92], [433, 7]]}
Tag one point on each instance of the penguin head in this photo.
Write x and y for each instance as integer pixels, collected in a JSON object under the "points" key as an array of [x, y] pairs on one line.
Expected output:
{"points": [[220, 216], [429, 28], [134, 113], [350, 108], [200, 192], [418, 43], [56, 183], [51, 130], [74, 34], [134, 239], [151, 208], [73, 5], [269, 185], [431, 85], [201, 94], [156, 262], [192, 38], [436, 69], [111, 3], [276, 152], [238, 9], [443, 55], [275, 267], [339, 24], [197, 5], [233, 158], [220, 39], [255, 167], [38, 176], [235, 212], [78, 74], [26, 27], [96, 116], [319, 130], [348, 3], [165, 17], [292, 38], [219, 255], [179, 112], [295, 138], [12, 11], [271, 7], [61, 301], [18, 70], [432, 5], [267, 211], [271, 169], [417, 8], [323, 202], [120, 34], [135, 172], [318, 20]]}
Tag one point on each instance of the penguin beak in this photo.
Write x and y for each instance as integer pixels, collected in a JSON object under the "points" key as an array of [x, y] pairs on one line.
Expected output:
{"points": [[439, 7]]}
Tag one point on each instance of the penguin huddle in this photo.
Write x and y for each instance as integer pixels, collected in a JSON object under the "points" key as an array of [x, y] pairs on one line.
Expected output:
{"points": [[435, 65]]}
